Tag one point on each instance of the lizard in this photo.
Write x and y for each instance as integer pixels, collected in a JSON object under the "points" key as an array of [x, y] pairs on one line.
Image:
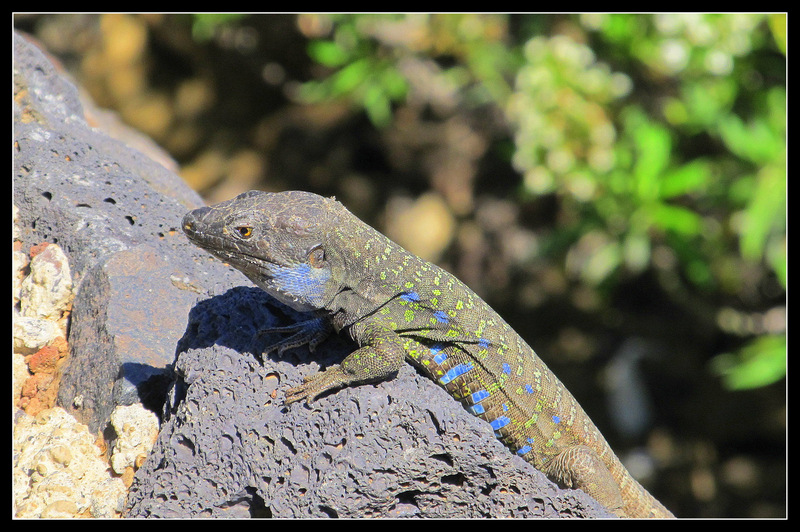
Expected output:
{"points": [[311, 253]]}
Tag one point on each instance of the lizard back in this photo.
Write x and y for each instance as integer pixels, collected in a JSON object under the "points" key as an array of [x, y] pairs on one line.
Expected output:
{"points": [[460, 342]]}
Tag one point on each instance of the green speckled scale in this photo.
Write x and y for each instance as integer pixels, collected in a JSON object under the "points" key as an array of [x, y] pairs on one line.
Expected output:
{"points": [[313, 254]]}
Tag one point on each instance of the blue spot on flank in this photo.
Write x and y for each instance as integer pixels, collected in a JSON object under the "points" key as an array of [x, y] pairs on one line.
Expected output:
{"points": [[438, 355], [483, 342], [529, 388], [441, 316], [455, 372], [505, 407], [500, 422], [410, 296], [479, 396], [524, 450], [476, 409], [506, 368], [556, 420]]}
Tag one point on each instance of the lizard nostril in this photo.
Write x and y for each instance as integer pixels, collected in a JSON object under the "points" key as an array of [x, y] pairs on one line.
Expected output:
{"points": [[189, 222]]}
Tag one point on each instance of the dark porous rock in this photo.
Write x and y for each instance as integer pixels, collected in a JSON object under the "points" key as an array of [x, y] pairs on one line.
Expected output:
{"points": [[399, 448], [158, 321]]}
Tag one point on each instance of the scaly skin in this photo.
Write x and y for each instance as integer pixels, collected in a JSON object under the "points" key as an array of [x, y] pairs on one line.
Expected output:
{"points": [[312, 254]]}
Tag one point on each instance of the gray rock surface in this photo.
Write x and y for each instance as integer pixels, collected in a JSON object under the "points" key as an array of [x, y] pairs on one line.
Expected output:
{"points": [[399, 448], [116, 215], [158, 321]]}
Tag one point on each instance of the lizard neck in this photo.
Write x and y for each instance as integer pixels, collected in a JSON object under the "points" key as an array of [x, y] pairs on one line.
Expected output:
{"points": [[372, 271]]}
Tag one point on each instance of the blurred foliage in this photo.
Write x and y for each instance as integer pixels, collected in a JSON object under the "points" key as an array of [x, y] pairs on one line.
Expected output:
{"points": [[676, 164], [676, 155], [205, 25], [662, 136], [759, 363], [721, 206], [376, 61], [359, 71]]}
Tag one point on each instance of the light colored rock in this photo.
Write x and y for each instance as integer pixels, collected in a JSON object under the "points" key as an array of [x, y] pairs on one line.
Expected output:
{"points": [[58, 471], [19, 372], [47, 291], [31, 334], [137, 429], [19, 261]]}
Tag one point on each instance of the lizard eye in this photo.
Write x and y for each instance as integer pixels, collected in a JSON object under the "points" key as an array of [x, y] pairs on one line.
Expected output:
{"points": [[316, 257], [244, 231]]}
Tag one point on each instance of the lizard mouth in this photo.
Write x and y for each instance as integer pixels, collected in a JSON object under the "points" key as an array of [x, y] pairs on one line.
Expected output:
{"points": [[262, 272], [252, 266], [233, 255], [247, 263]]}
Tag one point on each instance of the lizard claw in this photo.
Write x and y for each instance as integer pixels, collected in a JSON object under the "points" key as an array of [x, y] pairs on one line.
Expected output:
{"points": [[317, 384]]}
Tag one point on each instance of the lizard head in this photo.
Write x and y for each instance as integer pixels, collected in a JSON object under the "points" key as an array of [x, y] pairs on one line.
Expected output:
{"points": [[278, 240]]}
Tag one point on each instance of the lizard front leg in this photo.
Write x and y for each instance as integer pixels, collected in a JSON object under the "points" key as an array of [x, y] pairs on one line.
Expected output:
{"points": [[380, 356], [311, 332], [581, 467]]}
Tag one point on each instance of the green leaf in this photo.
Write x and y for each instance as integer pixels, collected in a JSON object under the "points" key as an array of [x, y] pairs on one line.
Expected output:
{"points": [[765, 212], [377, 106], [350, 77], [393, 83], [327, 53], [756, 142], [675, 218], [777, 24], [776, 255], [757, 364], [654, 146], [685, 179], [204, 25], [707, 101]]}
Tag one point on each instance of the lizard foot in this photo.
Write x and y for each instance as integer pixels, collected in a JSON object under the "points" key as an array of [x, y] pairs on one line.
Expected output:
{"points": [[313, 386], [581, 467]]}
